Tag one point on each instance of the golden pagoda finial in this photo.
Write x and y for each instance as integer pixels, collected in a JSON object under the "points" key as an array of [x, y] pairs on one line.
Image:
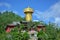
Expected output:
{"points": [[28, 11]]}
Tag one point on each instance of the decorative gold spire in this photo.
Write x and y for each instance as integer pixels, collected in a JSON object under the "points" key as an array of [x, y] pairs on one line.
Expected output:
{"points": [[28, 13], [28, 10]]}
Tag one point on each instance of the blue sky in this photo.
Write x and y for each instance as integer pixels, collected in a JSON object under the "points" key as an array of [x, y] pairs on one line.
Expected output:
{"points": [[45, 10]]}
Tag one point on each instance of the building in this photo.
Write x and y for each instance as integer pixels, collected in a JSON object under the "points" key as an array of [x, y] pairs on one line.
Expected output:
{"points": [[8, 27], [40, 27], [12, 25]]}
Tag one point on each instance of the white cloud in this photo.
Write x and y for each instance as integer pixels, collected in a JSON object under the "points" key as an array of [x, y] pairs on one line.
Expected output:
{"points": [[35, 20], [57, 20], [5, 4], [14, 11], [53, 11]]}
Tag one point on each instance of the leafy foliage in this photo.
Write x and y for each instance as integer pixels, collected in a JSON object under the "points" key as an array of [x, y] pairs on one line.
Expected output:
{"points": [[51, 32]]}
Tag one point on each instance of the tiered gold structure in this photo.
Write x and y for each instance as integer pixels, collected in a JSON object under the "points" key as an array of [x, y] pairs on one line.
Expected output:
{"points": [[28, 12]]}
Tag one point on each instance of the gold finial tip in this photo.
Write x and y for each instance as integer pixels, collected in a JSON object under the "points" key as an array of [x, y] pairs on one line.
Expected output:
{"points": [[28, 9]]}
